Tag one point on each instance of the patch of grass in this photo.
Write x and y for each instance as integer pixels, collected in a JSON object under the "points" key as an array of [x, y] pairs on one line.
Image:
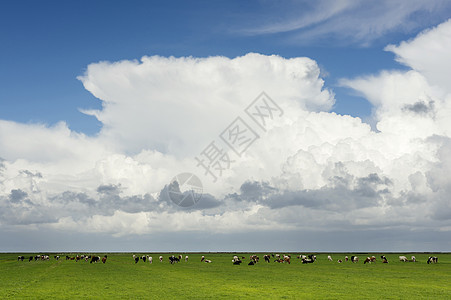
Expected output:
{"points": [[121, 278]]}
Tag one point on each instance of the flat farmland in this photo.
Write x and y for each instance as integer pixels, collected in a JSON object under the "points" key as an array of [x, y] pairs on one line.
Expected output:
{"points": [[120, 277]]}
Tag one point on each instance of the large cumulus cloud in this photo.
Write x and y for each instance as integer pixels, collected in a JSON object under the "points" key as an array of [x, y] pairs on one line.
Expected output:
{"points": [[311, 170]]}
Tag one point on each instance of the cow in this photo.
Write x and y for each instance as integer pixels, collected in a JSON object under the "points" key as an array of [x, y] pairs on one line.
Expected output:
{"points": [[136, 258], [94, 259], [267, 258], [287, 258], [307, 261], [354, 259], [236, 260], [30, 259], [207, 261], [21, 258], [254, 258], [251, 263], [413, 258], [180, 257], [104, 259], [403, 258], [329, 258], [186, 258], [339, 261], [432, 260], [56, 257], [202, 258], [384, 259], [346, 258], [174, 259], [161, 258], [144, 258], [149, 259], [312, 257], [369, 260]]}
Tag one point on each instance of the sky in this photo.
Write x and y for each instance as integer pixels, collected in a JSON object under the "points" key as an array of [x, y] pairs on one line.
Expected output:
{"points": [[309, 126]]}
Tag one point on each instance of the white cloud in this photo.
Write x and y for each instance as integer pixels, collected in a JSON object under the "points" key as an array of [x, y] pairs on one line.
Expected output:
{"points": [[311, 170], [348, 21]]}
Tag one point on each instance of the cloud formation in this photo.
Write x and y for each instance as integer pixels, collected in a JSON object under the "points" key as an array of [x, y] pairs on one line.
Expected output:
{"points": [[347, 21], [311, 170]]}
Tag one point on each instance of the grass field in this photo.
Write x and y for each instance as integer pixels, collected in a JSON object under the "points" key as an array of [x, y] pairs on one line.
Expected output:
{"points": [[121, 278]]}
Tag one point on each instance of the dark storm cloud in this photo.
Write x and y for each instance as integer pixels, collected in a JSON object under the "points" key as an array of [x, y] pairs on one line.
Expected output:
{"points": [[343, 193], [205, 200], [17, 196], [420, 107]]}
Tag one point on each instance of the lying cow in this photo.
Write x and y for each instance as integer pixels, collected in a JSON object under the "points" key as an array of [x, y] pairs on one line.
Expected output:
{"points": [[236, 260]]}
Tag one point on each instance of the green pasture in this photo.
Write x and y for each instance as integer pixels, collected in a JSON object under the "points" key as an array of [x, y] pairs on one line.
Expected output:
{"points": [[121, 278]]}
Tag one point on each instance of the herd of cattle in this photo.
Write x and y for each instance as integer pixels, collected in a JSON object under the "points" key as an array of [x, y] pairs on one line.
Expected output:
{"points": [[90, 258], [253, 259]]}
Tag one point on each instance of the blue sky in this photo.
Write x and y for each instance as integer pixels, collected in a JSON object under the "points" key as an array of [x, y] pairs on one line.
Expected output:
{"points": [[47, 44], [363, 147]]}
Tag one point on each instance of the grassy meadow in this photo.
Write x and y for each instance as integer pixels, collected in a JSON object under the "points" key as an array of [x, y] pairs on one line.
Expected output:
{"points": [[121, 278]]}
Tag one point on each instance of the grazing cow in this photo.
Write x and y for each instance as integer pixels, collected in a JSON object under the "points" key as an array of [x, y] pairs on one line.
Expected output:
{"points": [[173, 259], [432, 260], [277, 256], [186, 258], [21, 258], [104, 259], [339, 261], [254, 258], [67, 257], [312, 257], [144, 258], [180, 257], [202, 258], [354, 259], [251, 263], [369, 260], [161, 258], [287, 258], [208, 261], [30, 259], [346, 258], [95, 259], [413, 259], [56, 257], [403, 258], [267, 258], [302, 257], [329, 258], [136, 258], [279, 260], [150, 259], [384, 259]]}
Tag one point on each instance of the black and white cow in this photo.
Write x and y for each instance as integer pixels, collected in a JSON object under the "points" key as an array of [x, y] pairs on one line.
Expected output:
{"points": [[432, 260], [94, 259]]}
